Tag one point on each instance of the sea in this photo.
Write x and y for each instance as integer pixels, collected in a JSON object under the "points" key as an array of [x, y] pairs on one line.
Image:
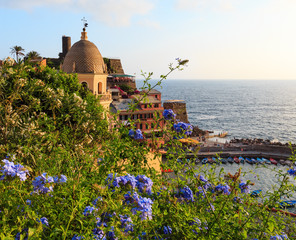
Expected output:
{"points": [[263, 109], [251, 109]]}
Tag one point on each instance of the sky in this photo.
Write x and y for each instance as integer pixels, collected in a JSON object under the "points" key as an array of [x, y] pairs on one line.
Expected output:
{"points": [[222, 39]]}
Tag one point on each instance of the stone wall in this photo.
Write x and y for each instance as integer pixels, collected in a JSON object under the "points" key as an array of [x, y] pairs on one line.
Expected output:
{"points": [[179, 108], [115, 64]]}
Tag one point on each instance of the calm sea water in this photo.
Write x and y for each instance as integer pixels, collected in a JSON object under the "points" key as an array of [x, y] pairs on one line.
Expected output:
{"points": [[243, 108]]}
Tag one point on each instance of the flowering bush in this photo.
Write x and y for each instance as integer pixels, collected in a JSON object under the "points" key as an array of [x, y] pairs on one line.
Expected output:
{"points": [[54, 127]]}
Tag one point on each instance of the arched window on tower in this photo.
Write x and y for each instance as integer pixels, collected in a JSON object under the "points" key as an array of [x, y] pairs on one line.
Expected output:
{"points": [[84, 85], [100, 88]]}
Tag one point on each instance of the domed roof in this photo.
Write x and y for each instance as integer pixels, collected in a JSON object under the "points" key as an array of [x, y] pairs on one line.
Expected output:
{"points": [[84, 57]]}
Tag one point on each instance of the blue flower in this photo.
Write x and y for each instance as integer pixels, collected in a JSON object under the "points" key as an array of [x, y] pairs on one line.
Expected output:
{"points": [[76, 237], [245, 188], [28, 202], [111, 234], [144, 184], [202, 178], [182, 127], [88, 210], [187, 194], [168, 114], [138, 134], [276, 237], [141, 204], [99, 234], [292, 171], [135, 134], [167, 230], [223, 188], [40, 182], [126, 180], [44, 221], [94, 202], [126, 223], [24, 232], [11, 170]]}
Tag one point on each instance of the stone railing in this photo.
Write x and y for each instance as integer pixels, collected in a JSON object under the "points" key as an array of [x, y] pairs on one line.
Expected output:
{"points": [[105, 97]]}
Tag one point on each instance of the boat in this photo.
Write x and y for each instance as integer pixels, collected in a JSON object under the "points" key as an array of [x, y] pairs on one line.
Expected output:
{"points": [[249, 160], [197, 160], [266, 161], [256, 193], [273, 161], [204, 161], [223, 160], [254, 161], [236, 160], [230, 160], [216, 160], [259, 160], [210, 160], [288, 163], [282, 162], [287, 204], [241, 159]]}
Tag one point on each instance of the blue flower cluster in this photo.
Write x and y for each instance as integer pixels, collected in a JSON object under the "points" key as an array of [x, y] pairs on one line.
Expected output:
{"points": [[143, 183], [98, 234], [182, 127], [23, 233], [141, 204], [168, 114], [245, 188], [44, 221], [198, 225], [167, 230], [186, 194], [126, 223], [42, 183], [114, 181], [225, 189], [135, 134], [88, 210], [11, 170], [292, 171], [76, 237], [283, 236]]}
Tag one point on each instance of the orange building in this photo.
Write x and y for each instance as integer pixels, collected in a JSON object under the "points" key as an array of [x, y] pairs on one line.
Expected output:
{"points": [[147, 109]]}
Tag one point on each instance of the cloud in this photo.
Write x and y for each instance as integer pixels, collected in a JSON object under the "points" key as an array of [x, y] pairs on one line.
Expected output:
{"points": [[111, 12], [150, 24], [221, 5]]}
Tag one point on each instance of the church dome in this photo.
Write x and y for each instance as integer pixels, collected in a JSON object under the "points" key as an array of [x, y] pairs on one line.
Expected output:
{"points": [[84, 57]]}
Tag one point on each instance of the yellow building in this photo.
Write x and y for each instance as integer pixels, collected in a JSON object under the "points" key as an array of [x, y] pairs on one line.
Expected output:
{"points": [[85, 59]]}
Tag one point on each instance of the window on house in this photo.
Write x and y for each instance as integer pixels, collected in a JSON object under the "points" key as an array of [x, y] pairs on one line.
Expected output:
{"points": [[147, 125], [141, 126], [156, 105]]}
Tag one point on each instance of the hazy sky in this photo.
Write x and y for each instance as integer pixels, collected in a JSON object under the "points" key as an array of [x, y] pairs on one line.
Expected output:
{"points": [[223, 39]]}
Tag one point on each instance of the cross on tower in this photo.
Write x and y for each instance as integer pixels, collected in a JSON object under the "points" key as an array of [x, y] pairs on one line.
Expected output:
{"points": [[85, 24]]}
